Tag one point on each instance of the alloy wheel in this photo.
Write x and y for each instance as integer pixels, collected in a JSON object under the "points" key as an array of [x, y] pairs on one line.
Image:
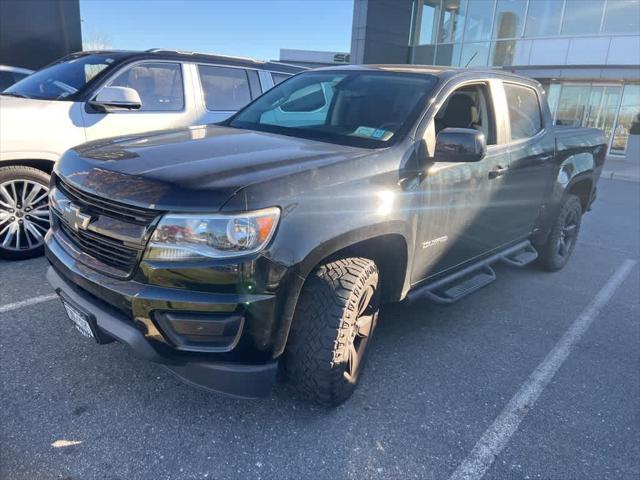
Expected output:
{"points": [[24, 215], [360, 333], [568, 234]]}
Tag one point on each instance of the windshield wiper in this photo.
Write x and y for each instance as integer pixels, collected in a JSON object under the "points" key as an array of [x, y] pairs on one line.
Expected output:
{"points": [[14, 94]]}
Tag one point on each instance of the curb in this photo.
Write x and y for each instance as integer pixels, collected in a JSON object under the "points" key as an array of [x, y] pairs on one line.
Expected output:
{"points": [[620, 176]]}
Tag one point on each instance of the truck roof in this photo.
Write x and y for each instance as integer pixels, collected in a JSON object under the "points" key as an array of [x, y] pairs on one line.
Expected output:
{"points": [[438, 71]]}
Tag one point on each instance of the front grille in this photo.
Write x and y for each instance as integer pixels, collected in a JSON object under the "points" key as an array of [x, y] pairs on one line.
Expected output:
{"points": [[109, 251], [95, 205]]}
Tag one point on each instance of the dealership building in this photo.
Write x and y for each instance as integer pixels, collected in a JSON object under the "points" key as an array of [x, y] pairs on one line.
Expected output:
{"points": [[586, 53]]}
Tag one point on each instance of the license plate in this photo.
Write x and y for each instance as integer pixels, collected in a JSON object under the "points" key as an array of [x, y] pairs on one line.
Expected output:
{"points": [[79, 319]]}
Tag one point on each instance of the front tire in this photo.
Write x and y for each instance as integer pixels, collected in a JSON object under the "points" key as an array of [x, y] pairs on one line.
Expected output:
{"points": [[24, 212], [332, 326], [555, 253]]}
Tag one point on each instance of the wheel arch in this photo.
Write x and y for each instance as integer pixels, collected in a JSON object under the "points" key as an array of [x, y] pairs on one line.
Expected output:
{"points": [[386, 244], [582, 187], [40, 164]]}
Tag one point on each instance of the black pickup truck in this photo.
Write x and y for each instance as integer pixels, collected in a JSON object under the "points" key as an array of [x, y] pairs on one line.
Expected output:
{"points": [[225, 251]]}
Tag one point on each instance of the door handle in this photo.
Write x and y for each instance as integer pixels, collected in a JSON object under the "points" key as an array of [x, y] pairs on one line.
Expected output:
{"points": [[498, 172]]}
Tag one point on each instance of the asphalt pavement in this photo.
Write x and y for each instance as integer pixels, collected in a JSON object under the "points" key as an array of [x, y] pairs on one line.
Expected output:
{"points": [[445, 388]]}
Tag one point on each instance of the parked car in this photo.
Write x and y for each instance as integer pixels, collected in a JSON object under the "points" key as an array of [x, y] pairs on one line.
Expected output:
{"points": [[10, 75], [222, 251], [93, 95]]}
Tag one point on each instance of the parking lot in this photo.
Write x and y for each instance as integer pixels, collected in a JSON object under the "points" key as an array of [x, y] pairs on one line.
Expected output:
{"points": [[439, 389]]}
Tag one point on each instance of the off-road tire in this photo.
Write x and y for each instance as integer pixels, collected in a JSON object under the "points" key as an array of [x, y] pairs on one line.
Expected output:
{"points": [[20, 172], [318, 349], [550, 257]]}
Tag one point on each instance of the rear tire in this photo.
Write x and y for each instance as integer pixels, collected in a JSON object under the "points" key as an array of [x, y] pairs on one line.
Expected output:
{"points": [[334, 321], [555, 253], [23, 226]]}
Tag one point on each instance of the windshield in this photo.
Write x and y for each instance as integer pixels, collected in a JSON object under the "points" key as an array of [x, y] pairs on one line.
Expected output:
{"points": [[61, 80], [362, 108]]}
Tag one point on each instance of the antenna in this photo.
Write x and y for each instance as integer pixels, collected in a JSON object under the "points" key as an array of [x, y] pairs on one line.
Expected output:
{"points": [[471, 59]]}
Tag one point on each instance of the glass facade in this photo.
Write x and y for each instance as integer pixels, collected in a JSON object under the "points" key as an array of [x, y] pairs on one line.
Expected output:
{"points": [[609, 107], [450, 32], [532, 33]]}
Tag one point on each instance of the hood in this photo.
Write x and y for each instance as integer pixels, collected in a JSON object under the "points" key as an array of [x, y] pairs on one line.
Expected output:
{"points": [[30, 109], [29, 127], [193, 169]]}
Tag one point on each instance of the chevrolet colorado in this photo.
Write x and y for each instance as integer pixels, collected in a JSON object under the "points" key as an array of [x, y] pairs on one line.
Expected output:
{"points": [[225, 251]]}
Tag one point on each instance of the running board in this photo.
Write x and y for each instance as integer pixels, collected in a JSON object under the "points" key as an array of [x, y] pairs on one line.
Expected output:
{"points": [[454, 289], [458, 285], [522, 257]]}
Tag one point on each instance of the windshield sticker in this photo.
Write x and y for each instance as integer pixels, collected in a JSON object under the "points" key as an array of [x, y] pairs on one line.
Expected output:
{"points": [[375, 133], [364, 131]]}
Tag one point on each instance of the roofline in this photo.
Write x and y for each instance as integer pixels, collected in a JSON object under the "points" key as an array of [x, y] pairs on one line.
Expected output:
{"points": [[208, 57]]}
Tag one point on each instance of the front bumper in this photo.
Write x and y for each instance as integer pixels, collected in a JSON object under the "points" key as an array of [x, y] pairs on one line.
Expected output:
{"points": [[125, 311]]}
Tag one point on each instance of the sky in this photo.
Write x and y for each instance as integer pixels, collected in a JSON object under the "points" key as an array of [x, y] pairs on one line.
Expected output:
{"points": [[250, 28]]}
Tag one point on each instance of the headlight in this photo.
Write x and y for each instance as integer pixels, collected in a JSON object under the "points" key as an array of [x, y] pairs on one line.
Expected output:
{"points": [[193, 236]]}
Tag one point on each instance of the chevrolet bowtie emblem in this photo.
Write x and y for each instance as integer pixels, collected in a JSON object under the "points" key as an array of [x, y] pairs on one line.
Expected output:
{"points": [[75, 218]]}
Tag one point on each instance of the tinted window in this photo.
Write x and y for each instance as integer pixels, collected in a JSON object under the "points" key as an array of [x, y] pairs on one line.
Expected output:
{"points": [[543, 18], [158, 84], [63, 79], [583, 16], [365, 108], [509, 18], [524, 111], [479, 18], [279, 77], [622, 16], [452, 21], [224, 88]]}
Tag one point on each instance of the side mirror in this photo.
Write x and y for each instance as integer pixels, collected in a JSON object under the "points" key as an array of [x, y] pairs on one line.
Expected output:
{"points": [[116, 98], [460, 145]]}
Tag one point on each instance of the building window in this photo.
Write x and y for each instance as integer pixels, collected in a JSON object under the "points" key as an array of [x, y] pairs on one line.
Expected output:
{"points": [[447, 54], [428, 15], [524, 111], [479, 20], [628, 116], [582, 16], [510, 52], [451, 25], [509, 18], [475, 54], [543, 18], [622, 16]]}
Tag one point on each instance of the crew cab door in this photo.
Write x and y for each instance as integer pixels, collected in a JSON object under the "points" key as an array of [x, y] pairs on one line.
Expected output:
{"points": [[459, 218], [523, 186], [166, 95]]}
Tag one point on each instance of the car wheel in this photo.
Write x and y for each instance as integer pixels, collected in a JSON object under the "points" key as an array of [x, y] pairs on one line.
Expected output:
{"points": [[24, 212], [332, 327], [555, 253]]}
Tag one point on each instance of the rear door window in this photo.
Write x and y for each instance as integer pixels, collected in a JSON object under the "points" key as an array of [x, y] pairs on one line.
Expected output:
{"points": [[158, 84], [225, 88], [279, 77], [525, 117]]}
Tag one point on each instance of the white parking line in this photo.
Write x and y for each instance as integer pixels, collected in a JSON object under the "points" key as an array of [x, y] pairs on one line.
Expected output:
{"points": [[496, 437], [25, 303]]}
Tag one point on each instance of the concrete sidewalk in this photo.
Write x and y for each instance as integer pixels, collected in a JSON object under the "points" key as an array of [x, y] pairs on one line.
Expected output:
{"points": [[617, 169]]}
